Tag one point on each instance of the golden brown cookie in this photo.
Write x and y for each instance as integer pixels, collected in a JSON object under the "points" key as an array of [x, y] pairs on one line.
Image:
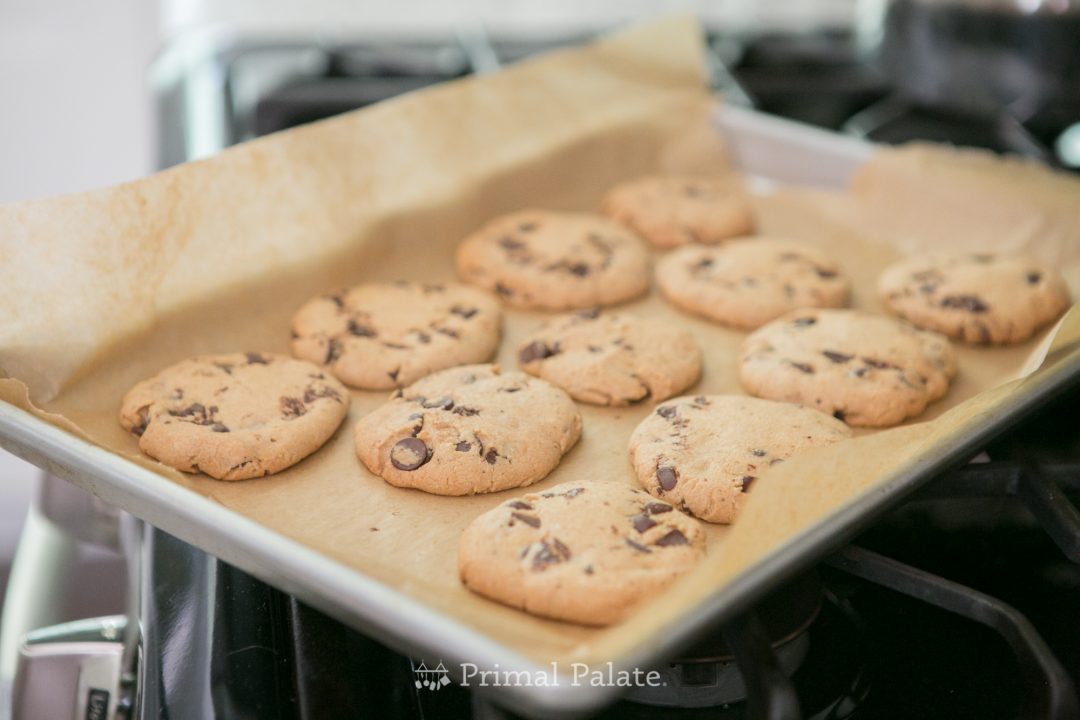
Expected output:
{"points": [[746, 283], [704, 453], [385, 335], [585, 552], [550, 260], [612, 358], [467, 430], [865, 369], [975, 297], [671, 210], [235, 416]]}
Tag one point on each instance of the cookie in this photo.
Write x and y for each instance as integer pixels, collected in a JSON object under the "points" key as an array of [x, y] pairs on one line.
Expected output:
{"points": [[978, 298], [235, 416], [703, 454], [612, 359], [584, 552], [470, 429], [865, 369], [555, 261], [386, 335], [746, 283], [669, 211]]}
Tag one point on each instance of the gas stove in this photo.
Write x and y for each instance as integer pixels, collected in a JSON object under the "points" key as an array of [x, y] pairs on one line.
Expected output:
{"points": [[961, 603]]}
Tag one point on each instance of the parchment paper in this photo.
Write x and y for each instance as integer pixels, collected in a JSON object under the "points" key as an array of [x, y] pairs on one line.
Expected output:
{"points": [[103, 289]]}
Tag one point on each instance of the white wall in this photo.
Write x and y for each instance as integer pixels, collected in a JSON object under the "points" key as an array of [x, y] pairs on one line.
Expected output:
{"points": [[75, 113]]}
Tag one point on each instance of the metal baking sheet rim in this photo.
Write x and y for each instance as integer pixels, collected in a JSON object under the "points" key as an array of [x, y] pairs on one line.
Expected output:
{"points": [[764, 146]]}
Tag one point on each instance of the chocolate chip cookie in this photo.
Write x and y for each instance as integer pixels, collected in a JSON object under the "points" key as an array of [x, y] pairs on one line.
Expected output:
{"points": [[584, 552], [705, 453], [470, 429], [982, 298], [612, 359], [746, 283], [865, 369], [555, 261], [385, 335], [669, 211], [235, 416]]}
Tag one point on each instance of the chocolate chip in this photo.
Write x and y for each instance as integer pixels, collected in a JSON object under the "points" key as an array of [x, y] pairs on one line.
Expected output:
{"points": [[802, 367], [219, 427], [359, 330], [491, 456], [509, 243], [637, 546], [550, 554], [675, 537], [191, 410], [1034, 277], [839, 415], [702, 264], [337, 300], [465, 411], [837, 357], [256, 359], [824, 273], [803, 321], [311, 394], [667, 477], [409, 453], [971, 303], [503, 290], [333, 351], [463, 312], [463, 446], [657, 508], [225, 367], [144, 420], [527, 519], [667, 411], [642, 523], [858, 372], [578, 269], [758, 452], [589, 314], [448, 332], [537, 350], [747, 481], [520, 505], [292, 408], [574, 492], [878, 364], [394, 374], [442, 403], [423, 337], [588, 570]]}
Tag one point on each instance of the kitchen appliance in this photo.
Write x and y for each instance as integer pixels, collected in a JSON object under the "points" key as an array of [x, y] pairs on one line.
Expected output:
{"points": [[844, 641]]}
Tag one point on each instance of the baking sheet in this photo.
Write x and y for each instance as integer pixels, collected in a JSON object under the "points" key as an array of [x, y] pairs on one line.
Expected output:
{"points": [[103, 289]]}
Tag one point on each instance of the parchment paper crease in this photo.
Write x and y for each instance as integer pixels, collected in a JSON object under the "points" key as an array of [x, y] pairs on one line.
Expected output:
{"points": [[102, 289]]}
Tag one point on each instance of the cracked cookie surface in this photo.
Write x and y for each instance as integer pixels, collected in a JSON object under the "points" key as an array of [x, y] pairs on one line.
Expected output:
{"points": [[983, 298], [467, 430], [703, 454], [235, 416], [583, 552], [611, 358], [669, 211], [385, 335], [865, 369], [548, 260], [748, 282]]}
